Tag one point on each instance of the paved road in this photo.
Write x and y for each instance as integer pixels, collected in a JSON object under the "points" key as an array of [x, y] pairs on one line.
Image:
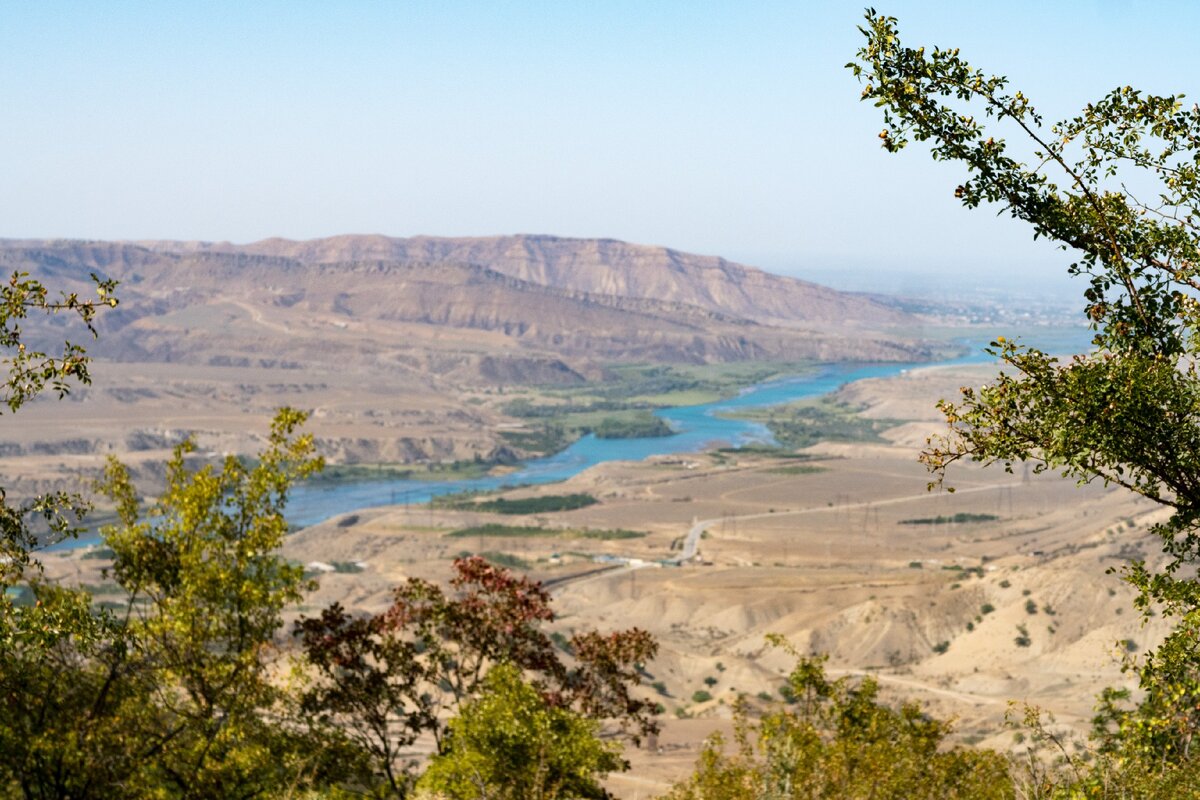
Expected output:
{"points": [[692, 542]]}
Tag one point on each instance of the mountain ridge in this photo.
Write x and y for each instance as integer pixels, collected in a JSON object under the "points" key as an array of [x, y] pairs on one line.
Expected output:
{"points": [[556, 306], [598, 266], [400, 359]]}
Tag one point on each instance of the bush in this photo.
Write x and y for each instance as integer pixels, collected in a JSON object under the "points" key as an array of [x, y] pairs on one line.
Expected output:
{"points": [[510, 740], [842, 742], [1022, 639], [701, 696]]}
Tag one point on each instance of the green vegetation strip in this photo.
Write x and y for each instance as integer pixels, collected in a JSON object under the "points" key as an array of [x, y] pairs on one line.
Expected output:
{"points": [[797, 469], [464, 469], [523, 505], [527, 531], [941, 519], [507, 560], [641, 426], [802, 424]]}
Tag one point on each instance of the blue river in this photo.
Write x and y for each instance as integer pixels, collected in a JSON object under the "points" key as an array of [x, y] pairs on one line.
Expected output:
{"points": [[698, 427]]}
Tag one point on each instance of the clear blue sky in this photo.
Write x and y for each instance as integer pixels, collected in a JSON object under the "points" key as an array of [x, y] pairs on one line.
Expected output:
{"points": [[728, 128]]}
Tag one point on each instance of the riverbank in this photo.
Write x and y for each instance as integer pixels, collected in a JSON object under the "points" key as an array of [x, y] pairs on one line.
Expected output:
{"points": [[720, 423], [697, 427]]}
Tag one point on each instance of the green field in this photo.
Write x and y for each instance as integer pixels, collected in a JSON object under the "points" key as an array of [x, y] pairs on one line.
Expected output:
{"points": [[797, 469], [450, 471], [494, 530], [683, 397], [544, 504]]}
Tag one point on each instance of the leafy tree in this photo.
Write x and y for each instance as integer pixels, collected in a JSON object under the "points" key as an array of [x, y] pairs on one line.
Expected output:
{"points": [[30, 372], [388, 678], [511, 743], [174, 695], [374, 686], [1128, 413], [206, 587], [837, 740], [51, 615]]}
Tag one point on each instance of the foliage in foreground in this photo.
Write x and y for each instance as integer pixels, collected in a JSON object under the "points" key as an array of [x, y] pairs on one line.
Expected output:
{"points": [[1126, 414], [183, 692], [31, 371], [172, 695], [837, 740], [388, 678], [510, 743]]}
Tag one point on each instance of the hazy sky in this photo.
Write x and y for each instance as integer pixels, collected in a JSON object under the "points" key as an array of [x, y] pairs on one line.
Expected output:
{"points": [[728, 128]]}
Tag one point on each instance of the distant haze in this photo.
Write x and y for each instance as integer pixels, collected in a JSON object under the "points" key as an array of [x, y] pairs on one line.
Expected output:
{"points": [[728, 129]]}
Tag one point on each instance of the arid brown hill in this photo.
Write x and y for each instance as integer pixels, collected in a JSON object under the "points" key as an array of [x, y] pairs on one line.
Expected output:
{"points": [[500, 310], [595, 266], [404, 349]]}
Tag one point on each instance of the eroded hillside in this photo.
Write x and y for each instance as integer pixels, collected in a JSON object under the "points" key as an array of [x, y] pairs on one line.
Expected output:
{"points": [[404, 348]]}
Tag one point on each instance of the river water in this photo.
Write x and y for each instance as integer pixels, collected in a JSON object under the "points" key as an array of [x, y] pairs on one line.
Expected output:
{"points": [[699, 427]]}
